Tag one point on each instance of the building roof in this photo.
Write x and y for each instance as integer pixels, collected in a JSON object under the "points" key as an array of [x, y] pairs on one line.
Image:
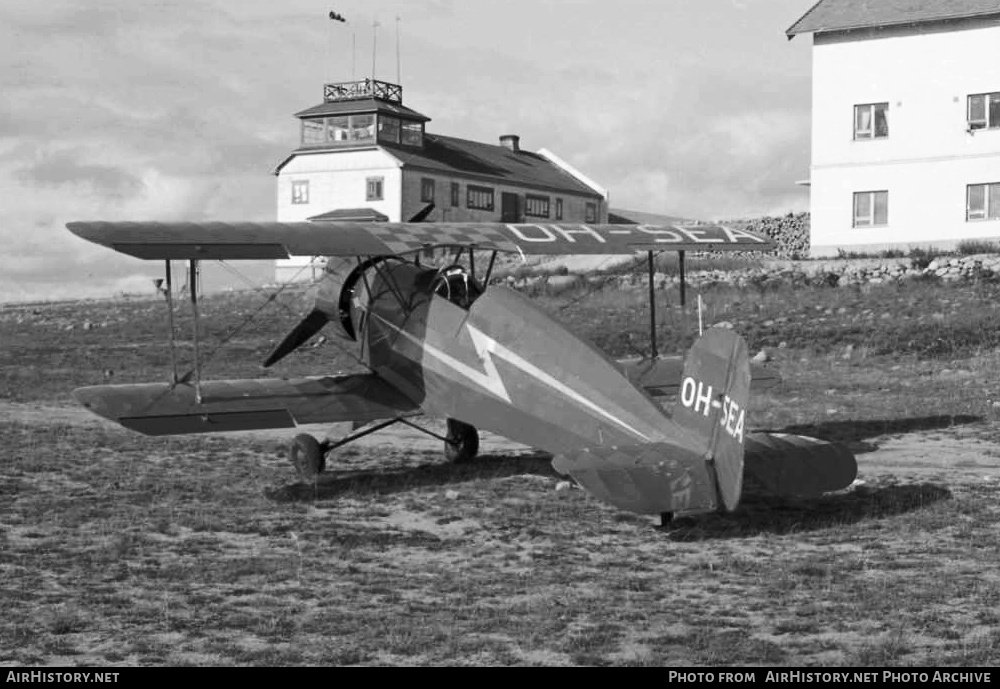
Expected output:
{"points": [[453, 156], [350, 214], [620, 216], [359, 106], [841, 15]]}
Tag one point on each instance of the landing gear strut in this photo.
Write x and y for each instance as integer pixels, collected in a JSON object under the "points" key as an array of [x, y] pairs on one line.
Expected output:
{"points": [[308, 455]]}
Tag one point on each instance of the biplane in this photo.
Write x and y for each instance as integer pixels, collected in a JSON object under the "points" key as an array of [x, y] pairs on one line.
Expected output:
{"points": [[441, 342]]}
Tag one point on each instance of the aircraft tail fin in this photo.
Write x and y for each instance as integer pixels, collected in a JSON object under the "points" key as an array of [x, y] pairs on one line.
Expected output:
{"points": [[712, 402]]}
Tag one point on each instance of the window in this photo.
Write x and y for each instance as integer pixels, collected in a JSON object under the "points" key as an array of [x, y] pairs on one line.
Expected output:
{"points": [[871, 208], [590, 213], [983, 202], [374, 188], [413, 133], [479, 197], [362, 127], [388, 129], [300, 191], [454, 194], [338, 129], [312, 132], [558, 209], [427, 190], [871, 121], [536, 206], [984, 111], [343, 130]]}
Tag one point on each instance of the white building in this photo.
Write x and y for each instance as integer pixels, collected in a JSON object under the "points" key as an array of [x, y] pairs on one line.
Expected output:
{"points": [[364, 155], [905, 123]]}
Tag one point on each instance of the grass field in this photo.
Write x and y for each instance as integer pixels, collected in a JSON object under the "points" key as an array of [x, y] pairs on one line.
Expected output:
{"points": [[117, 548]]}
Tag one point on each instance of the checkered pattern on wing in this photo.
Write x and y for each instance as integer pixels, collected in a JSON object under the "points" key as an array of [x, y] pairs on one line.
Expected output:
{"points": [[399, 240]]}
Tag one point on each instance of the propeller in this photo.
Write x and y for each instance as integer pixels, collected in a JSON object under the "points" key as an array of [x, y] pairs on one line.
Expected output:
{"points": [[324, 309], [423, 213], [307, 327]]}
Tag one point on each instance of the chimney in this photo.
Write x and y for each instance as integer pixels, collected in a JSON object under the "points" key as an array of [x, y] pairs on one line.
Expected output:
{"points": [[511, 141]]}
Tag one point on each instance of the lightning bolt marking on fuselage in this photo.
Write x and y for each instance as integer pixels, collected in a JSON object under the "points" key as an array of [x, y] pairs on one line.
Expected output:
{"points": [[489, 378]]}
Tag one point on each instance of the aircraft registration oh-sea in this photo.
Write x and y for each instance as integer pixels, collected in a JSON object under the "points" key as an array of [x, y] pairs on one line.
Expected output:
{"points": [[438, 342]]}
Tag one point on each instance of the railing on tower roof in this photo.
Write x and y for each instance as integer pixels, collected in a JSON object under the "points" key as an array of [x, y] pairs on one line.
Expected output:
{"points": [[365, 88]]}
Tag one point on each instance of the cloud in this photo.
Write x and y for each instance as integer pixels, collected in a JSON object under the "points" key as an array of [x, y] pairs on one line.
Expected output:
{"points": [[63, 168]]}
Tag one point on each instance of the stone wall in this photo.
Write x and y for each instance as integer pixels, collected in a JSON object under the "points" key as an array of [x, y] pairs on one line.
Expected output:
{"points": [[775, 273]]}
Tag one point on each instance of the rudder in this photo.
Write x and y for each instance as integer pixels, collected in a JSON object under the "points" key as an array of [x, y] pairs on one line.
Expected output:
{"points": [[712, 401]]}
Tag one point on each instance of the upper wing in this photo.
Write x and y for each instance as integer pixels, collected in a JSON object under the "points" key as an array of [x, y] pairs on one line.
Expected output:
{"points": [[267, 240], [240, 405]]}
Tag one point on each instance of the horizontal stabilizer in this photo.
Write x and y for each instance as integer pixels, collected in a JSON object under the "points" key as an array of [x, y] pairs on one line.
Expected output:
{"points": [[239, 405], [645, 479], [797, 466]]}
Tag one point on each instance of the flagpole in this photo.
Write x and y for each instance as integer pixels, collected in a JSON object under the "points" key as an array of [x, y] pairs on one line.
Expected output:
{"points": [[337, 17]]}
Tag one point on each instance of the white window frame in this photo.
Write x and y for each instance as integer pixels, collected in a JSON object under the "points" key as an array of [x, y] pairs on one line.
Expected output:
{"points": [[300, 191], [986, 122], [870, 133], [427, 184], [479, 198], [375, 188], [536, 205], [987, 212], [869, 220]]}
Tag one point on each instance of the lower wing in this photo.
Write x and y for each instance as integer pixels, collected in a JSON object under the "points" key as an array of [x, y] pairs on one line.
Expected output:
{"points": [[241, 405]]}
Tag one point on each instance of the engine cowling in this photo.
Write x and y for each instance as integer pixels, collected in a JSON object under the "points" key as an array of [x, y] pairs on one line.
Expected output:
{"points": [[386, 285]]}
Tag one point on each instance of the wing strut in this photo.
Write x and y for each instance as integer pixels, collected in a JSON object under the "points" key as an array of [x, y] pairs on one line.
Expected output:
{"points": [[193, 287], [652, 307], [489, 270], [170, 320], [680, 269]]}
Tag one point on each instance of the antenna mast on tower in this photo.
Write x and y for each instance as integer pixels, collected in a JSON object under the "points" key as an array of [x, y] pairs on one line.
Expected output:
{"points": [[375, 26], [399, 77]]}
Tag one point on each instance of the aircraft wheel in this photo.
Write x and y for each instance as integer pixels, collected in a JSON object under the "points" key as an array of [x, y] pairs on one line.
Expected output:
{"points": [[307, 457], [463, 442]]}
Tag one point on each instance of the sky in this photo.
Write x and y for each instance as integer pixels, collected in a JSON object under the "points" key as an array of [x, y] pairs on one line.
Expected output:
{"points": [[180, 109]]}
